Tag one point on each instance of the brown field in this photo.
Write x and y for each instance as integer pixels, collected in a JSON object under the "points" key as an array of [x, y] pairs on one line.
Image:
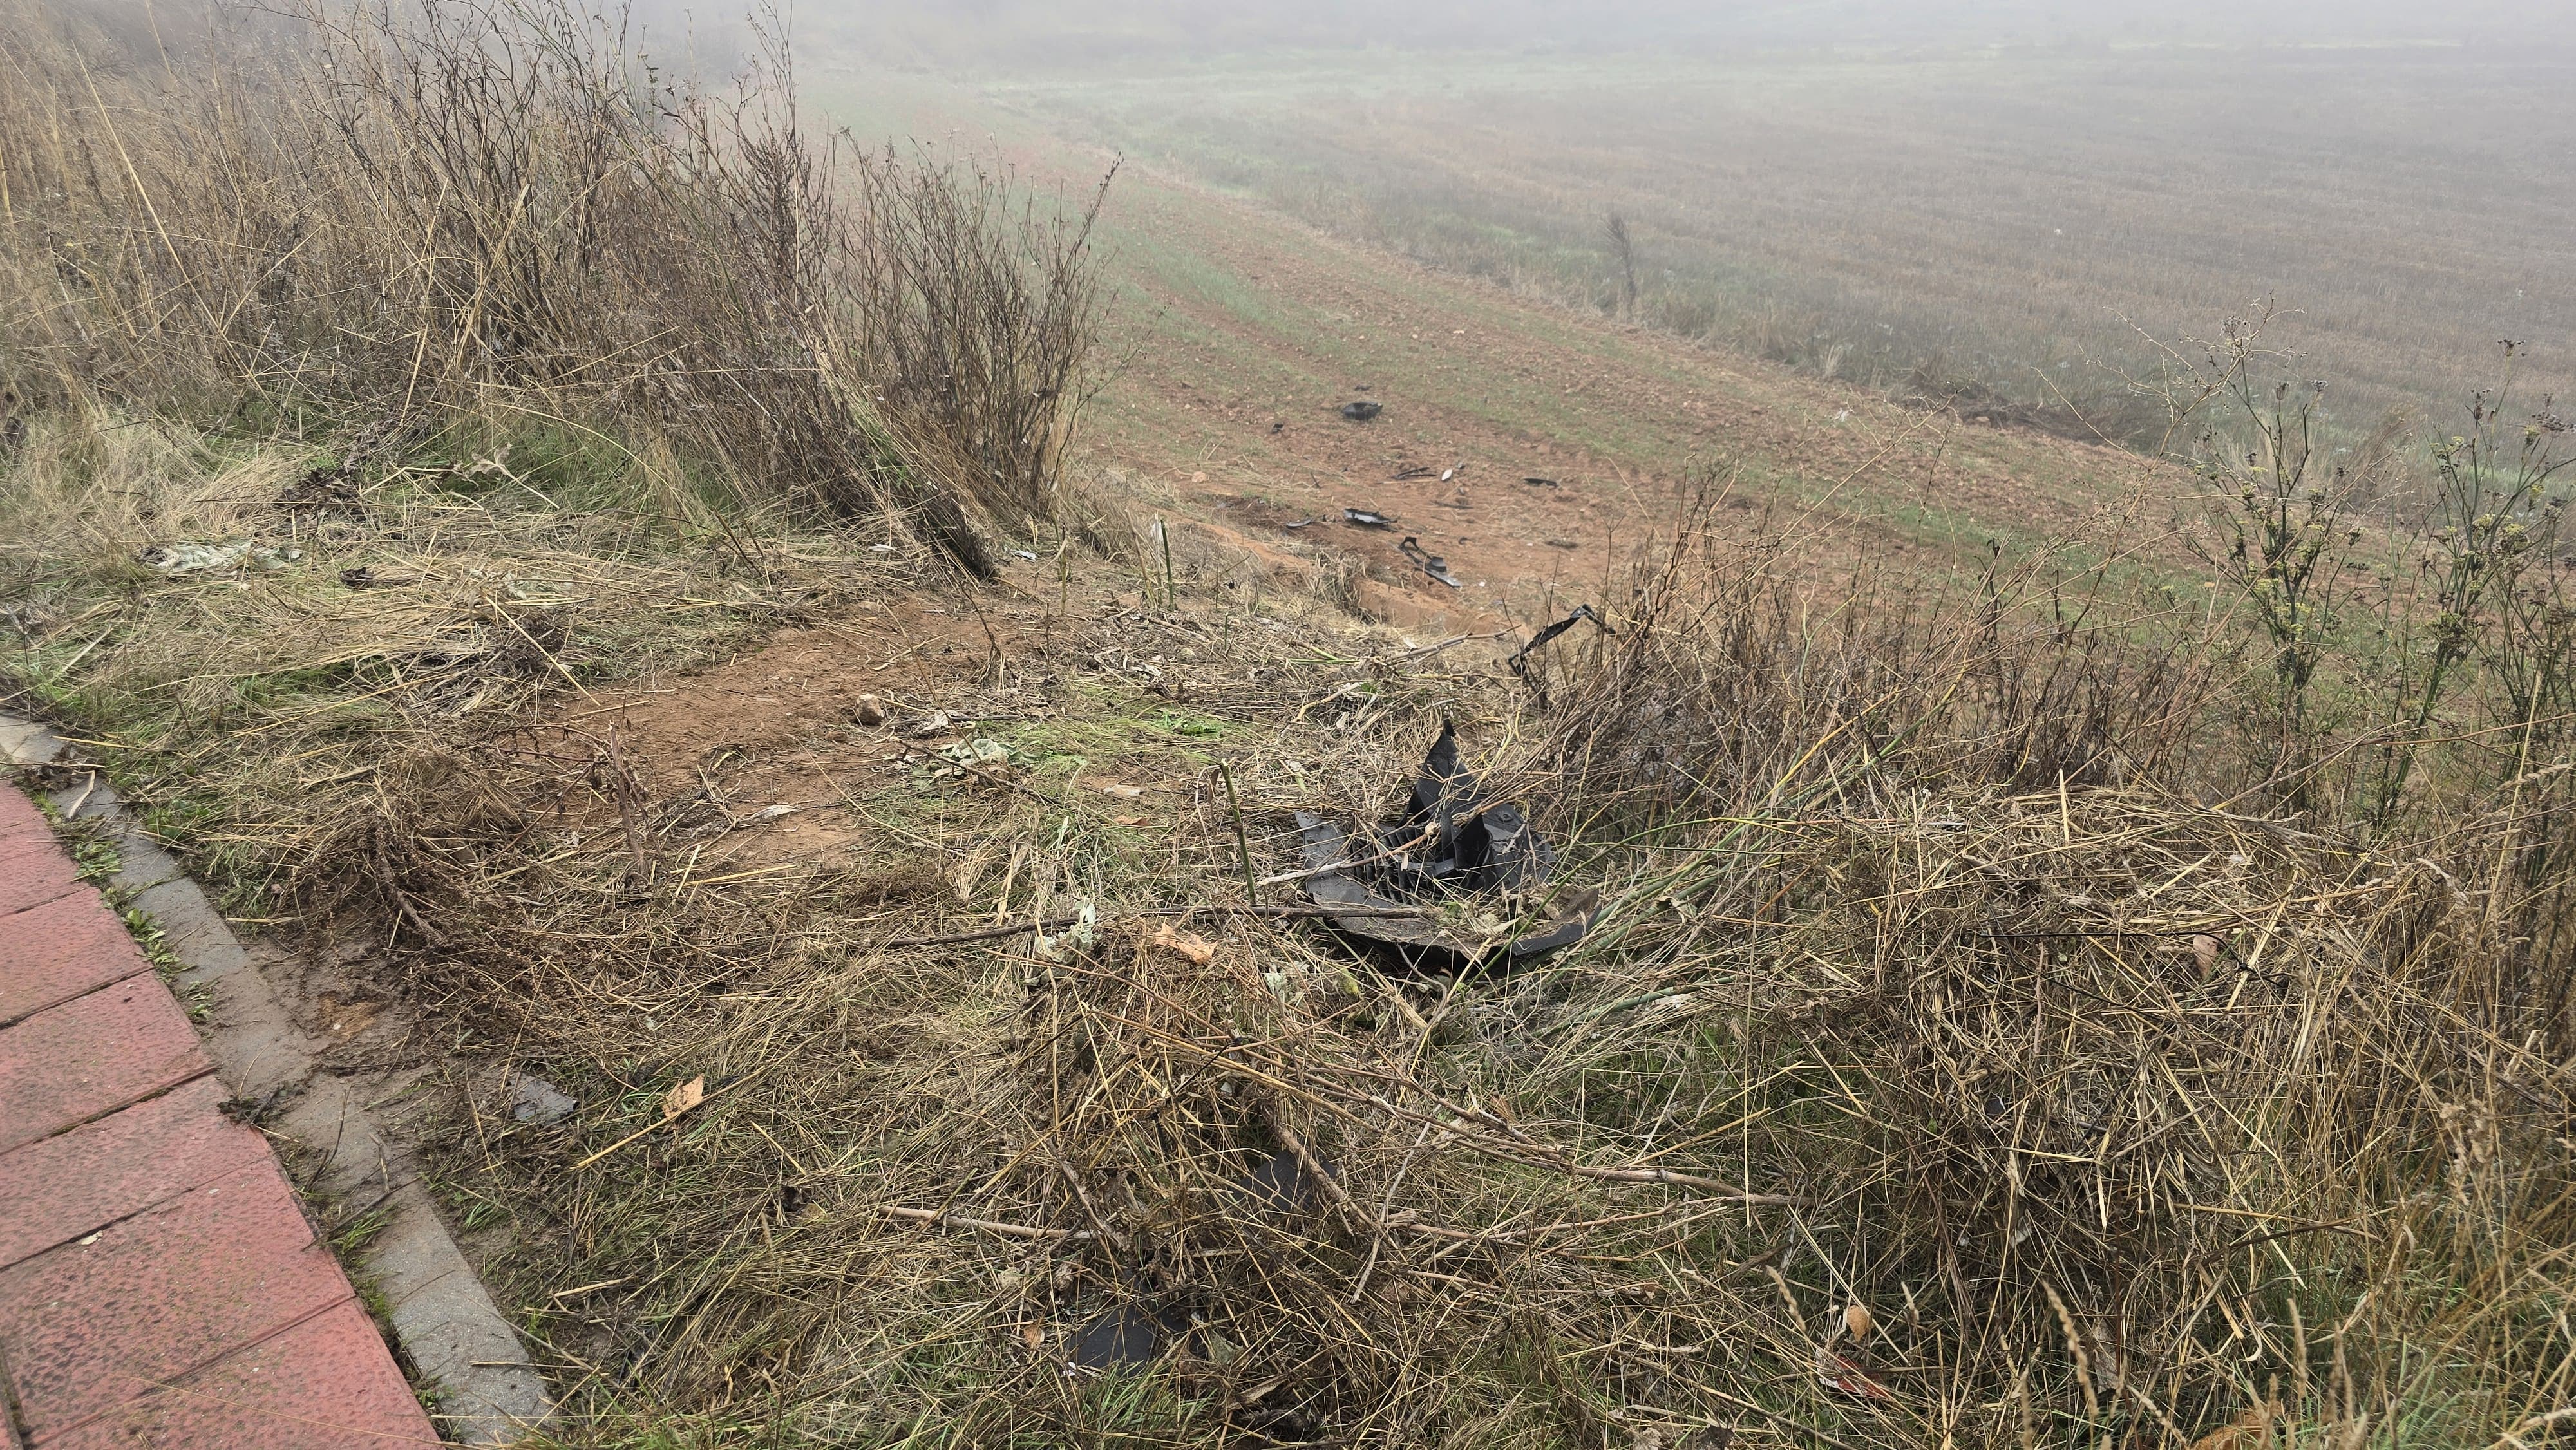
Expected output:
{"points": [[1927, 221]]}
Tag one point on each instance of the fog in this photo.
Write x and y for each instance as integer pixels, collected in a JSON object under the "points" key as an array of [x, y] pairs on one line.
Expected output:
{"points": [[1043, 34], [1988, 196]]}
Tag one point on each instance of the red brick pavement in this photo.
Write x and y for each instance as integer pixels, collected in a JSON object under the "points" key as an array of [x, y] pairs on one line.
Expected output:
{"points": [[159, 1284]]}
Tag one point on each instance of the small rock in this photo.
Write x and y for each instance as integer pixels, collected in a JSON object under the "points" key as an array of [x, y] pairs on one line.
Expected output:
{"points": [[869, 710]]}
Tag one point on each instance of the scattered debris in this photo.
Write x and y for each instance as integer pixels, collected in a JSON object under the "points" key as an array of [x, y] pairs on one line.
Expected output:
{"points": [[982, 750], [1432, 564], [1279, 1185], [535, 1101], [1301, 523], [1127, 1334], [1447, 474], [1836, 1371], [1368, 519], [1536, 482], [1032, 558], [1453, 844], [1079, 935], [1849, 1370], [203, 558], [1581, 612], [1408, 475], [366, 577], [1363, 410], [1563, 544]]}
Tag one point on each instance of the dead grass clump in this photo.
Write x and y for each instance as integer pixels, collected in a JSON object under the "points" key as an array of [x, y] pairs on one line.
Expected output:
{"points": [[508, 207], [261, 637], [2147, 1112]]}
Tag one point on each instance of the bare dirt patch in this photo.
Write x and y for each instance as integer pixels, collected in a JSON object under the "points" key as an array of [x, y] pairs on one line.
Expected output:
{"points": [[763, 758]]}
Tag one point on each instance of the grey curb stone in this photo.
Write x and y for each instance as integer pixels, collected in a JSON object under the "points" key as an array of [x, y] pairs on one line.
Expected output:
{"points": [[440, 1311]]}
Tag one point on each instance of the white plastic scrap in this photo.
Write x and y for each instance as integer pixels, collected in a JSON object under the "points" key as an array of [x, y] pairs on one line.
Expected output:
{"points": [[203, 558], [982, 750], [1079, 936]]}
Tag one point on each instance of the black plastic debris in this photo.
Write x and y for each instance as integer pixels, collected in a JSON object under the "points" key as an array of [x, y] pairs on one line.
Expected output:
{"points": [[1279, 1185], [1363, 410], [1535, 481], [1453, 845], [1368, 519], [1519, 660], [1121, 1335], [1432, 564], [1301, 523]]}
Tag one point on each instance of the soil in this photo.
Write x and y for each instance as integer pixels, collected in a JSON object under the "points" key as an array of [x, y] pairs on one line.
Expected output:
{"points": [[763, 754], [1232, 405]]}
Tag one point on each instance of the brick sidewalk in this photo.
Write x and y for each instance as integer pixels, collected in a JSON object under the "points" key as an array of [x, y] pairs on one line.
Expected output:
{"points": [[159, 1284]]}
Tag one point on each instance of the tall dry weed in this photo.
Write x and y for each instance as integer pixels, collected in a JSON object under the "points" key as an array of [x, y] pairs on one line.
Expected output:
{"points": [[377, 214]]}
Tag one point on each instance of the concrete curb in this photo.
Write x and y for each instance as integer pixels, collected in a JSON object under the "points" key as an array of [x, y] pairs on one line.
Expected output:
{"points": [[488, 1393]]}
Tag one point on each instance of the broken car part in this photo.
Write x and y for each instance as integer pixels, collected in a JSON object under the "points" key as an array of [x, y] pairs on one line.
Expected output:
{"points": [[1453, 844]]}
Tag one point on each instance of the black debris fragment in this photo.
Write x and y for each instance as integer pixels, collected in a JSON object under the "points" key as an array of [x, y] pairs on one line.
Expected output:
{"points": [[1279, 1185], [1363, 410], [1518, 661], [1432, 564], [1453, 844], [1124, 1334], [535, 1100], [1368, 519], [1410, 474], [1537, 482]]}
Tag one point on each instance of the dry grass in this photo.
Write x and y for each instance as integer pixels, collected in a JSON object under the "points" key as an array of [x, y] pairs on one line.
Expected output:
{"points": [[1970, 959], [1927, 978], [372, 218], [1923, 982]]}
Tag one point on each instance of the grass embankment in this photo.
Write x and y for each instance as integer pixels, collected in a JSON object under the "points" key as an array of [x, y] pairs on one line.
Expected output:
{"points": [[2030, 1013]]}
